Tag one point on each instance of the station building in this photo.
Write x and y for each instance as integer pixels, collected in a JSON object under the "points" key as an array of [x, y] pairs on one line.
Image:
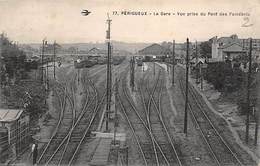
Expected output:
{"points": [[155, 50], [164, 53], [233, 47], [14, 133]]}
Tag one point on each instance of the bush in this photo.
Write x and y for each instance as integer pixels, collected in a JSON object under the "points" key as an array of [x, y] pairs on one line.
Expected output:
{"points": [[224, 77]]}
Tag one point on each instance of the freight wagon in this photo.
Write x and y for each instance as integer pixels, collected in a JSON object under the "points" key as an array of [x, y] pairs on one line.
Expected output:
{"points": [[118, 59], [139, 61], [84, 63]]}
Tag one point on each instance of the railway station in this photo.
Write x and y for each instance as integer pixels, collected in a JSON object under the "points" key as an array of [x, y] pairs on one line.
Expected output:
{"points": [[101, 84]]}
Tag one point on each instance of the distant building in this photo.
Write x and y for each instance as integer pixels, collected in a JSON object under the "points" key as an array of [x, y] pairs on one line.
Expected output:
{"points": [[226, 48], [232, 47], [97, 52], [155, 50], [14, 133]]}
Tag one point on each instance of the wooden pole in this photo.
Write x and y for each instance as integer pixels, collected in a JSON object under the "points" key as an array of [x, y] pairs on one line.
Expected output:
{"points": [[108, 73], [197, 61], [173, 60], [248, 91], [257, 109], [187, 88], [116, 120], [54, 59], [43, 42], [201, 77], [108, 87], [154, 66], [256, 128]]}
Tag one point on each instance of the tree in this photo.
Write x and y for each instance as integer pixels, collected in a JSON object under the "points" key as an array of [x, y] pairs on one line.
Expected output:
{"points": [[205, 49]]}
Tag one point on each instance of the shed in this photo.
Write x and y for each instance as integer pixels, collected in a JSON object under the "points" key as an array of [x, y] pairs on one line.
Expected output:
{"points": [[155, 49], [14, 132]]}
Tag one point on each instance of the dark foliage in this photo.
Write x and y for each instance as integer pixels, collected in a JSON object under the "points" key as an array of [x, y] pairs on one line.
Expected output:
{"points": [[205, 49], [224, 77]]}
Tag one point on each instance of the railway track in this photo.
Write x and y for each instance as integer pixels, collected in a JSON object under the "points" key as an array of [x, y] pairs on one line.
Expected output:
{"points": [[146, 102], [220, 150], [70, 141], [90, 121], [152, 152], [156, 120], [66, 120], [66, 149]]}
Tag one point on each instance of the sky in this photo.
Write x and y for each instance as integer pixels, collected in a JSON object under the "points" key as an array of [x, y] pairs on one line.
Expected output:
{"points": [[30, 21]]}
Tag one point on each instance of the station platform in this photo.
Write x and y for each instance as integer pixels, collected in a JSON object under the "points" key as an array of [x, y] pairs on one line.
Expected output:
{"points": [[101, 154]]}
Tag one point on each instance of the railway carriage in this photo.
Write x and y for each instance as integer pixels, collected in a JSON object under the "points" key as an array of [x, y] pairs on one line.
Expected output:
{"points": [[84, 63], [139, 61]]}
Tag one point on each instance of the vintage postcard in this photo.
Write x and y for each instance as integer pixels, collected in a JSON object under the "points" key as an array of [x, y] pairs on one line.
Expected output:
{"points": [[130, 82]]}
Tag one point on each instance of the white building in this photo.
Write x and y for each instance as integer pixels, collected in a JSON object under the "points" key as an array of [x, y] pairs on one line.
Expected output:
{"points": [[226, 48], [233, 47]]}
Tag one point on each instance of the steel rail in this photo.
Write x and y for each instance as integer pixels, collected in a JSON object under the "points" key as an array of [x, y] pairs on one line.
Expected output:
{"points": [[147, 112], [139, 116], [132, 129], [199, 104], [159, 112], [198, 127], [72, 128], [63, 107], [73, 123]]}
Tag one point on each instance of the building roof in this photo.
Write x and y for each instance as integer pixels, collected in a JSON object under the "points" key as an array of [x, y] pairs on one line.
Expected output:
{"points": [[8, 115], [229, 45], [96, 51], [154, 49]]}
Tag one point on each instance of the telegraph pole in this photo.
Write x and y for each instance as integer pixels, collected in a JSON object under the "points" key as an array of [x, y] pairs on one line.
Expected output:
{"points": [[201, 77], [116, 119], [78, 68], [257, 109], [108, 72], [154, 65], [111, 70], [47, 72], [43, 42], [256, 127], [187, 89], [173, 60], [133, 73], [54, 59], [248, 91], [197, 60], [130, 71]]}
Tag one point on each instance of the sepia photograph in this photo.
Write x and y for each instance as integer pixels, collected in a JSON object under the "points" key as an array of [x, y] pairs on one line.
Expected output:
{"points": [[129, 82]]}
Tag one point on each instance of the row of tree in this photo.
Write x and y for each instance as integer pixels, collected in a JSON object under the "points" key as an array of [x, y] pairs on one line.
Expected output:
{"points": [[13, 60]]}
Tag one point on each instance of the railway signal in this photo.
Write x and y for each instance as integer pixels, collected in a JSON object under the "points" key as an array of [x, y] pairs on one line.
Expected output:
{"points": [[108, 72], [116, 118]]}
